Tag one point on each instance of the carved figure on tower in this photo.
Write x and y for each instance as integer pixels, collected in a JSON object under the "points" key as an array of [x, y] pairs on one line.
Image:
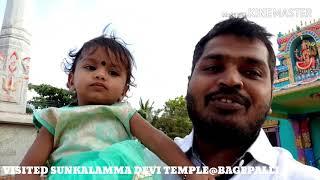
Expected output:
{"points": [[306, 58]]}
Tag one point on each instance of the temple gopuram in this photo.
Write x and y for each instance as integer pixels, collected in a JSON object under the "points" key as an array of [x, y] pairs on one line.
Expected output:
{"points": [[295, 121]]}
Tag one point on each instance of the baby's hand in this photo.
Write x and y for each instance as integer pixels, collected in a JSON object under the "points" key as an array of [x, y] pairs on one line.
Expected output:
{"points": [[198, 177]]}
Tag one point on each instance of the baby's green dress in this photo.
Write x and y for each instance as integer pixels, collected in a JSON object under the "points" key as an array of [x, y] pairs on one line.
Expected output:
{"points": [[93, 136]]}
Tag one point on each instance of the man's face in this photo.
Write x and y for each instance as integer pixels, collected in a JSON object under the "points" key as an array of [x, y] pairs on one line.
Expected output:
{"points": [[229, 92]]}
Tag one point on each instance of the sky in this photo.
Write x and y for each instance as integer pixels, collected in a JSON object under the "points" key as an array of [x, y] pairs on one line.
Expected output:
{"points": [[161, 35]]}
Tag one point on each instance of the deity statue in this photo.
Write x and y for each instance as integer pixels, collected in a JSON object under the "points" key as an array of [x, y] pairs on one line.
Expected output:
{"points": [[307, 58], [25, 65], [10, 82]]}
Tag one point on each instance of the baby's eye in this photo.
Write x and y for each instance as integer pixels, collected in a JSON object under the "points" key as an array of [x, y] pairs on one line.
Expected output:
{"points": [[90, 68], [113, 73]]}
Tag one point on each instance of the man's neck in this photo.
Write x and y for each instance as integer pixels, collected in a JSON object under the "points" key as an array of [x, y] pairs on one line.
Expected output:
{"points": [[214, 156]]}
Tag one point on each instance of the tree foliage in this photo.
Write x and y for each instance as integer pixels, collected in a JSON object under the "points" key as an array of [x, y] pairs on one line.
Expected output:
{"points": [[29, 109], [50, 96], [146, 110], [174, 121]]}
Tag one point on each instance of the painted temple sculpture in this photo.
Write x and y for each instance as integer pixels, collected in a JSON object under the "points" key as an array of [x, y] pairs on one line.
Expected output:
{"points": [[308, 54], [14, 71], [295, 121]]}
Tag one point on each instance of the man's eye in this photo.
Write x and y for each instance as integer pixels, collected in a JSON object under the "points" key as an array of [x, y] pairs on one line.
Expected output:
{"points": [[90, 68], [212, 69], [253, 74]]}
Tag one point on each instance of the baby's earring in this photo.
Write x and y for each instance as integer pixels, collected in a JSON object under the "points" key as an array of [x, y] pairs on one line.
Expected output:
{"points": [[270, 111]]}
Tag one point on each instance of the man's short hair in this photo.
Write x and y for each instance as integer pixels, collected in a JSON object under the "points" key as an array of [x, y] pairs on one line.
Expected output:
{"points": [[238, 27]]}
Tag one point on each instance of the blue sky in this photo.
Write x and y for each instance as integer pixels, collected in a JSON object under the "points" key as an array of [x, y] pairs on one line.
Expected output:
{"points": [[161, 33]]}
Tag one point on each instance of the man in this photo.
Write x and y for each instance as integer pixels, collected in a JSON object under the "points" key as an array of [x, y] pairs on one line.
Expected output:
{"points": [[228, 98]]}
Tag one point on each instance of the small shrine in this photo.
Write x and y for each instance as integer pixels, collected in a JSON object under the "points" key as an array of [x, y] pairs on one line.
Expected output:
{"points": [[299, 57], [295, 121]]}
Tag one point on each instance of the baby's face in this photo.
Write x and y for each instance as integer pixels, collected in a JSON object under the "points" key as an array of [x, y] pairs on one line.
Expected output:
{"points": [[98, 78]]}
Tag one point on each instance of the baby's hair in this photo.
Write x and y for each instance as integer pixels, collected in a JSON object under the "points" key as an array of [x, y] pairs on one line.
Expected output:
{"points": [[112, 45]]}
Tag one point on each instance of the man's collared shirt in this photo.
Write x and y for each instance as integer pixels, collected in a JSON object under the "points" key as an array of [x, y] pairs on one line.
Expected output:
{"points": [[260, 154]]}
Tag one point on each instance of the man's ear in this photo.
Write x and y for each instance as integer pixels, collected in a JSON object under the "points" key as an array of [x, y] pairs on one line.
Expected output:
{"points": [[70, 83], [189, 78]]}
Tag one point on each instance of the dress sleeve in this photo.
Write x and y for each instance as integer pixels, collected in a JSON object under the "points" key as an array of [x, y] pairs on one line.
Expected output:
{"points": [[123, 112], [46, 118]]}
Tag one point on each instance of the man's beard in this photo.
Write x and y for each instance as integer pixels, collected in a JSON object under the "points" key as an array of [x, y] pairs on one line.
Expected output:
{"points": [[221, 134]]}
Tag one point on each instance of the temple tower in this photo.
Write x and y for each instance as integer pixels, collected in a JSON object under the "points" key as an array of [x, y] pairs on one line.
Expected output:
{"points": [[16, 130], [15, 56]]}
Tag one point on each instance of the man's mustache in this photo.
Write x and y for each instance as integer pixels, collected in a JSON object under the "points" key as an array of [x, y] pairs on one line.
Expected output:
{"points": [[230, 93]]}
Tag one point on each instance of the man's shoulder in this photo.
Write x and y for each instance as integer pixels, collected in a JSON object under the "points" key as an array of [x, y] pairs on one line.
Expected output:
{"points": [[290, 168], [184, 143]]}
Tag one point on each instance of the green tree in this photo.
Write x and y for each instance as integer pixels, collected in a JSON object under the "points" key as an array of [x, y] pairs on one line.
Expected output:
{"points": [[50, 96], [29, 109], [146, 110], [174, 121]]}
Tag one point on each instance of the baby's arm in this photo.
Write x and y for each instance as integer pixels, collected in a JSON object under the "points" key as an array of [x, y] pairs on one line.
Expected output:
{"points": [[38, 153], [160, 144]]}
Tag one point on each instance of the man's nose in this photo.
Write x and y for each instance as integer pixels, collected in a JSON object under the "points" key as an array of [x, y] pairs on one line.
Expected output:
{"points": [[231, 78], [101, 74]]}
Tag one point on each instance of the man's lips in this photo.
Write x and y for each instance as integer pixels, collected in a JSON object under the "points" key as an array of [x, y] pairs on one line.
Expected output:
{"points": [[99, 85], [229, 106], [229, 101]]}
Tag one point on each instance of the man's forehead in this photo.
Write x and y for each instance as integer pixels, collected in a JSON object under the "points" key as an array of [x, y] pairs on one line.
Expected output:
{"points": [[236, 47]]}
